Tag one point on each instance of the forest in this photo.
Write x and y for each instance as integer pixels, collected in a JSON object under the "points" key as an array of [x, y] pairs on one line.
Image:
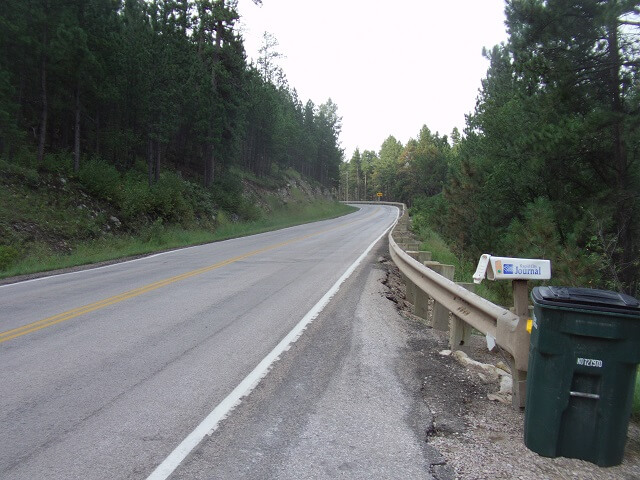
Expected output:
{"points": [[131, 126], [548, 164], [163, 82]]}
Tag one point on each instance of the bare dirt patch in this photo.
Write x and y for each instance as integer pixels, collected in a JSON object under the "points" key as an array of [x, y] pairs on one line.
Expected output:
{"points": [[479, 438]]}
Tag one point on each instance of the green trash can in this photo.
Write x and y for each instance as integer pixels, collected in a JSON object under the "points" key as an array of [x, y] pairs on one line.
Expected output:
{"points": [[584, 350]]}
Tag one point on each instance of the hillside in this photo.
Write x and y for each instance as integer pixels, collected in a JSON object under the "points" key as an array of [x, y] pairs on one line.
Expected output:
{"points": [[51, 218]]}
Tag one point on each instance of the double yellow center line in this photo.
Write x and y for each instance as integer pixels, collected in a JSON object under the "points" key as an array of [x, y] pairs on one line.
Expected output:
{"points": [[76, 312]]}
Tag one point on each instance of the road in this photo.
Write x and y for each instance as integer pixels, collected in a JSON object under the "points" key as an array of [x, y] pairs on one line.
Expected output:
{"points": [[106, 372]]}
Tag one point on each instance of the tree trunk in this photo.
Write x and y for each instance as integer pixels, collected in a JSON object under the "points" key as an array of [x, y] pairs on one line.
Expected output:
{"points": [[209, 166], [98, 133], [45, 111], [158, 158], [76, 139], [150, 161], [210, 162], [624, 207], [365, 186]]}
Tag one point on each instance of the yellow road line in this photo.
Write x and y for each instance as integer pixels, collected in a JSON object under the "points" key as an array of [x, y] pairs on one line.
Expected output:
{"points": [[76, 312]]}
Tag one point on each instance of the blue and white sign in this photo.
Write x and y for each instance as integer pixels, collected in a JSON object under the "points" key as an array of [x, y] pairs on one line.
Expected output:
{"points": [[506, 268]]}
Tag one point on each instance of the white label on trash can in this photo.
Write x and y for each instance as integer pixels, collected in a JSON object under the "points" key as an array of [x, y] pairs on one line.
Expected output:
{"points": [[590, 362]]}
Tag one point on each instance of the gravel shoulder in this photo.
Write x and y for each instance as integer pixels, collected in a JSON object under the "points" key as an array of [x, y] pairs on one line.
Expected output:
{"points": [[477, 437]]}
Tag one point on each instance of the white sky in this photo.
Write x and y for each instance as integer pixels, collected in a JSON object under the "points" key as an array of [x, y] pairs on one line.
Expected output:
{"points": [[390, 66]]}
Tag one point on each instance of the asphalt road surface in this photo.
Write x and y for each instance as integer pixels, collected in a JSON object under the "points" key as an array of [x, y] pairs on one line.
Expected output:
{"points": [[126, 371]]}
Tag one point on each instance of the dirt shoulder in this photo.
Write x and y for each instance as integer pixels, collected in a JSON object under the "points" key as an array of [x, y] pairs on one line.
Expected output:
{"points": [[480, 438]]}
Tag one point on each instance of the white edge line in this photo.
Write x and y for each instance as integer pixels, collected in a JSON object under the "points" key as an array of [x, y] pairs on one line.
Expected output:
{"points": [[90, 269], [147, 257], [220, 412]]}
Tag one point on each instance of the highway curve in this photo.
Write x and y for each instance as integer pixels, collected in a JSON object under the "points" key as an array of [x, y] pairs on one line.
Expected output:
{"points": [[106, 371]]}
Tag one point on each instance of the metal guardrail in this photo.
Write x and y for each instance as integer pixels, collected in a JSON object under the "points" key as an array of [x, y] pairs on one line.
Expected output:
{"points": [[478, 312], [507, 328], [401, 206]]}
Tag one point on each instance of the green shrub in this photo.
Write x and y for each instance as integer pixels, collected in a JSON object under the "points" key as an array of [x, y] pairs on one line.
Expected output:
{"points": [[100, 178], [201, 201], [27, 175], [536, 235], [227, 192], [134, 198], [428, 212], [169, 199], [58, 162], [153, 233], [248, 211], [8, 255]]}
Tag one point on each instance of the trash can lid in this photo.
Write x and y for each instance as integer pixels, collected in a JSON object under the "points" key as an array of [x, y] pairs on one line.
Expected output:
{"points": [[586, 299]]}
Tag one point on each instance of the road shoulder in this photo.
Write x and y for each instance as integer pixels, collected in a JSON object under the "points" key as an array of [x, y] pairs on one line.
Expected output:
{"points": [[480, 438], [342, 402]]}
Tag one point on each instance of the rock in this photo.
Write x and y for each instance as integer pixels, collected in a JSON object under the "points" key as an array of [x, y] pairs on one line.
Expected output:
{"points": [[445, 353], [500, 397], [506, 384], [115, 221], [501, 365], [488, 369]]}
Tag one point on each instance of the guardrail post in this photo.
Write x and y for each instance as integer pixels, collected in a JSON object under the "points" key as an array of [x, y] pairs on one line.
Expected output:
{"points": [[460, 331], [410, 290], [440, 313], [518, 369], [419, 299], [420, 255], [421, 307]]}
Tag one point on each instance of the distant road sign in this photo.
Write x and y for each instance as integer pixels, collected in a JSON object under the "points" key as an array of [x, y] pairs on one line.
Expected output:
{"points": [[379, 194]]}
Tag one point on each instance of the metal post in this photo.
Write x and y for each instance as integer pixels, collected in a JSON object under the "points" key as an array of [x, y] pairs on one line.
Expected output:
{"points": [[440, 312], [460, 331]]}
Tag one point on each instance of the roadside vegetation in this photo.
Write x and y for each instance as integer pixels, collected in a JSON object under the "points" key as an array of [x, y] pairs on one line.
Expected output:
{"points": [[432, 242], [130, 127], [51, 218], [547, 164]]}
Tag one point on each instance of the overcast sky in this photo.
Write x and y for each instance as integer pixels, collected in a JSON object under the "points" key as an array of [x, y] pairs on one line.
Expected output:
{"points": [[390, 66]]}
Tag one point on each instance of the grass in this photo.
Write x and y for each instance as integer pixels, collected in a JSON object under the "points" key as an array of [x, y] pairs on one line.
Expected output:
{"points": [[159, 237], [464, 268]]}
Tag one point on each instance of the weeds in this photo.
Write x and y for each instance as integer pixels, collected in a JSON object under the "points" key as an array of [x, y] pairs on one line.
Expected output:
{"points": [[158, 236], [464, 268]]}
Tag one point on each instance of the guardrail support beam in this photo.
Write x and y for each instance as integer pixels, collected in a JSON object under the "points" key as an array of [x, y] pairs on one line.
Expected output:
{"points": [[460, 331], [420, 255], [466, 308], [440, 312], [410, 290], [421, 305]]}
